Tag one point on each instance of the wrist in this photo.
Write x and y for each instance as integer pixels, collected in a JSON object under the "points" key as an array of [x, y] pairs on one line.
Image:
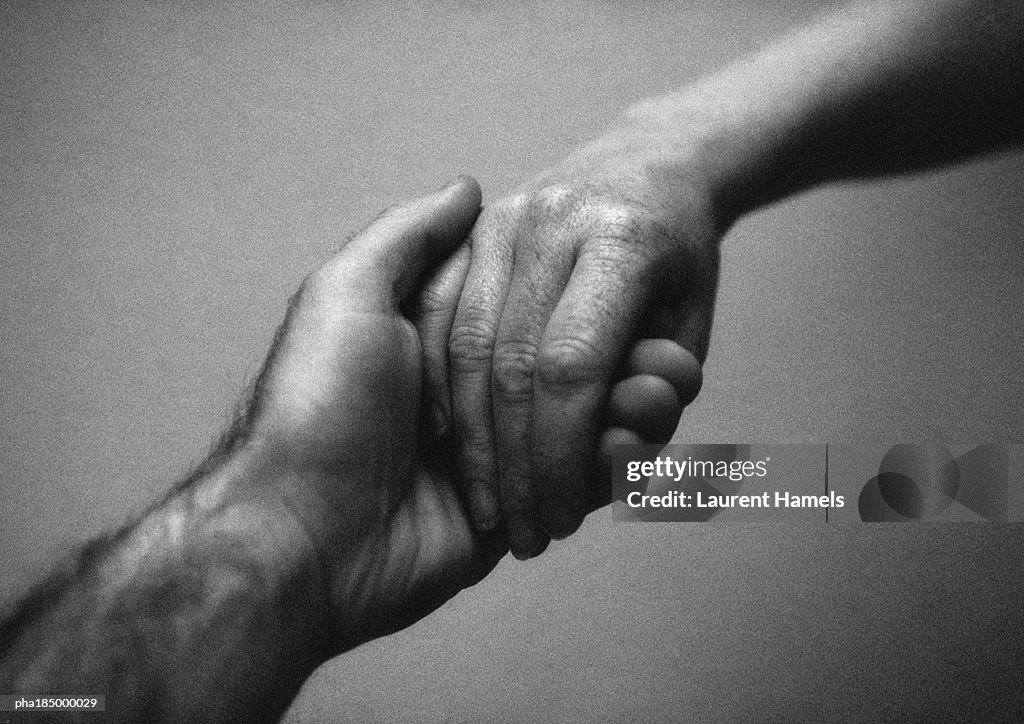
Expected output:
{"points": [[713, 138], [776, 122], [237, 507], [208, 603], [274, 504]]}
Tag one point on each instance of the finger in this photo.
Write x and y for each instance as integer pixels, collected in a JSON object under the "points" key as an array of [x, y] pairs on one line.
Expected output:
{"points": [[381, 266], [543, 264], [646, 404], [611, 437], [583, 345], [470, 351], [433, 317], [670, 361], [661, 377]]}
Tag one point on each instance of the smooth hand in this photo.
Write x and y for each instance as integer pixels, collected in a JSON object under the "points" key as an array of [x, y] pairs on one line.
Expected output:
{"points": [[338, 420]]}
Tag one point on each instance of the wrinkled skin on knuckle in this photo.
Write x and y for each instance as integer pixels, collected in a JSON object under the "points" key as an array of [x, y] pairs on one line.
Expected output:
{"points": [[611, 257], [569, 363], [512, 371], [646, 236], [615, 218], [470, 343], [624, 239], [538, 211], [590, 208]]}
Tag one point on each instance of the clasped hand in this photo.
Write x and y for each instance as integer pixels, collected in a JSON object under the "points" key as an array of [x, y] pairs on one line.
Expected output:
{"points": [[351, 413]]}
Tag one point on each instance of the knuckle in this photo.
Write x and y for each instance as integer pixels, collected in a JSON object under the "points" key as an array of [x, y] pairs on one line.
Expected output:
{"points": [[569, 363], [632, 224], [631, 236], [552, 204], [609, 255], [556, 201], [625, 226], [471, 342], [512, 371], [621, 213]]}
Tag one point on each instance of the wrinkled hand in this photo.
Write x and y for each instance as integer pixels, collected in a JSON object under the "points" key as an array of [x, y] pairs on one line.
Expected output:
{"points": [[564, 277]]}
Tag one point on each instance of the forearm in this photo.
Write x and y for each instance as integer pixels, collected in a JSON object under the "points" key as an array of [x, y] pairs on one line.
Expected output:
{"points": [[876, 88], [320, 522], [209, 609]]}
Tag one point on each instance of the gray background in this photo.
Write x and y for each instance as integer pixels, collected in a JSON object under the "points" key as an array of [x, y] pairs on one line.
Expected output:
{"points": [[168, 173]]}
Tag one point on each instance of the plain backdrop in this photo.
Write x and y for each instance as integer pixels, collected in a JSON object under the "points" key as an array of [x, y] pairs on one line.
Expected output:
{"points": [[170, 171]]}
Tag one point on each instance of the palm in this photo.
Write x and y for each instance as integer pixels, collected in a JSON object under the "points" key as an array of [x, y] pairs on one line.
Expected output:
{"points": [[430, 549], [371, 465]]}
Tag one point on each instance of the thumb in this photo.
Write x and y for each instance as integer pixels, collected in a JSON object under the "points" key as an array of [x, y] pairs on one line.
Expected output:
{"points": [[383, 263]]}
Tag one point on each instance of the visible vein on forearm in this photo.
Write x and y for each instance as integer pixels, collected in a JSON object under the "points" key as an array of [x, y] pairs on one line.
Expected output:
{"points": [[175, 610]]}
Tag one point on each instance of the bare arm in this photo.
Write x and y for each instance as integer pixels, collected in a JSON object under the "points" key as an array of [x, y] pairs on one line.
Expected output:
{"points": [[208, 609], [322, 521], [877, 88], [622, 237]]}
